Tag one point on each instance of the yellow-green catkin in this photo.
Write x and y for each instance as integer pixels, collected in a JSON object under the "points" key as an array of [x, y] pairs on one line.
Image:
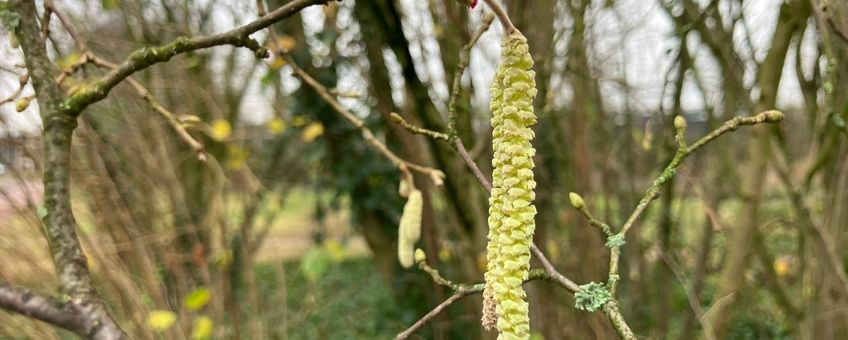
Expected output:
{"points": [[409, 230], [511, 213]]}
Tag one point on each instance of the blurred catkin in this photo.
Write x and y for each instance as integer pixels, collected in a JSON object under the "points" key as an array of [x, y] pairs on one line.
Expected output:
{"points": [[409, 230]]}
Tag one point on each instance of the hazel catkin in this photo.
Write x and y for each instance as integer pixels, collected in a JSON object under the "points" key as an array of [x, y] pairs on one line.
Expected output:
{"points": [[511, 212], [409, 230]]}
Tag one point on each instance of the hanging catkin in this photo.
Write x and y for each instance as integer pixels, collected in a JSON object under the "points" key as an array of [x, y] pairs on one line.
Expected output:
{"points": [[511, 214], [409, 230]]}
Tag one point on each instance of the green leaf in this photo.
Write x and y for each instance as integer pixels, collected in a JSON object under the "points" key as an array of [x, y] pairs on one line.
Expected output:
{"points": [[838, 121], [315, 263], [109, 4], [197, 299]]}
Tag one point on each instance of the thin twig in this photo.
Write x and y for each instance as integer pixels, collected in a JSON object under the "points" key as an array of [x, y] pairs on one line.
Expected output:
{"points": [[159, 108], [49, 7], [682, 152], [461, 292], [502, 16], [416, 129], [460, 148], [90, 57], [555, 275], [438, 278], [433, 313], [22, 81], [601, 225], [464, 59], [691, 295]]}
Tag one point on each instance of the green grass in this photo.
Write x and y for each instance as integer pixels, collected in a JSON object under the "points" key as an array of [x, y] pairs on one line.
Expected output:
{"points": [[350, 301]]}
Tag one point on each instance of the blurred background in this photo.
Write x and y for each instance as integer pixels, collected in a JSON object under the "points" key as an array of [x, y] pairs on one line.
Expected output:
{"points": [[288, 230]]}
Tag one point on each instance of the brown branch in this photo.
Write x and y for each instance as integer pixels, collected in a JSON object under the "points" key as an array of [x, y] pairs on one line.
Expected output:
{"points": [[59, 224], [78, 318], [555, 275], [50, 7], [460, 148], [460, 292], [148, 56], [433, 313], [502, 16], [22, 81]]}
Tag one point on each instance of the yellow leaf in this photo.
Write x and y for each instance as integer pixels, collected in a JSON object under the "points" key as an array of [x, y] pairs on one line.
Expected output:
{"points": [[222, 259], [276, 126], [160, 320], [189, 121], [203, 327], [22, 104], [277, 63], [236, 157], [68, 60], [781, 266], [220, 130], [445, 254], [92, 264], [283, 43], [553, 249], [298, 121], [197, 299], [481, 261], [312, 131], [647, 141], [335, 249], [77, 88]]}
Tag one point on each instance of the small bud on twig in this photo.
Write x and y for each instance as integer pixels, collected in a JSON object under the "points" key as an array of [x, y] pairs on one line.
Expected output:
{"points": [[22, 104], [680, 135], [680, 123], [576, 200], [420, 256], [773, 116]]}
